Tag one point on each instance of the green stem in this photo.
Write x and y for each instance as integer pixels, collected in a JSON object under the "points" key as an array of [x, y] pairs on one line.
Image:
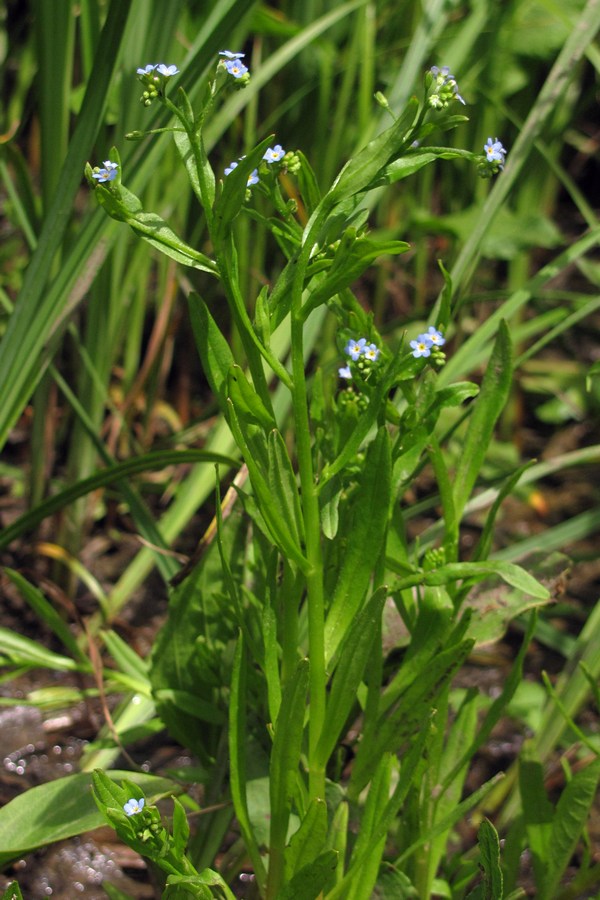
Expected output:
{"points": [[312, 527]]}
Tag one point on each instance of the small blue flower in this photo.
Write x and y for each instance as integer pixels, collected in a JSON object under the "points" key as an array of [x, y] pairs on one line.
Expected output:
{"points": [[134, 806], [494, 151], [231, 55], [167, 71], [274, 154], [371, 352], [146, 70], [421, 347], [108, 173], [435, 337], [345, 373], [252, 177], [354, 349], [236, 68]]}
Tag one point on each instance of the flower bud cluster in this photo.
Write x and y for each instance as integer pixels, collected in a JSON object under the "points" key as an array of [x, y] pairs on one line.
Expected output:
{"points": [[154, 77], [443, 88]]}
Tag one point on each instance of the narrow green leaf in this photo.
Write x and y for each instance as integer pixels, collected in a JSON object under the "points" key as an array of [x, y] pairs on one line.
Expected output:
{"points": [[360, 171], [353, 657], [415, 160], [47, 613], [570, 817], [284, 767], [192, 704], [509, 572], [186, 887], [248, 405], [399, 724], [538, 813], [12, 892], [237, 756], [181, 828], [353, 255], [125, 656], [23, 651], [307, 843], [280, 532], [489, 849], [111, 474], [284, 486], [365, 541], [309, 882], [228, 205], [63, 808], [215, 354], [488, 406]]}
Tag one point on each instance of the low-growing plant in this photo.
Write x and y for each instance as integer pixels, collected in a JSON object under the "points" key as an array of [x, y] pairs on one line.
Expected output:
{"points": [[311, 644]]}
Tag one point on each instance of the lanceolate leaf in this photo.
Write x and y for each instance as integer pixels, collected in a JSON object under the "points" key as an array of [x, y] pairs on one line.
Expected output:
{"points": [[570, 817], [61, 809], [365, 540], [488, 406]]}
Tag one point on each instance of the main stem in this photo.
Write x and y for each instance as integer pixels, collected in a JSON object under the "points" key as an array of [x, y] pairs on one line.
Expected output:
{"points": [[314, 575]]}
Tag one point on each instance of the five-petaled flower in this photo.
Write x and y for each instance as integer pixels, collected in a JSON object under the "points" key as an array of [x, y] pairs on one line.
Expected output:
{"points": [[236, 68], [274, 154], [166, 71], [354, 349], [108, 173], [134, 806], [494, 151], [421, 348], [146, 69], [230, 55], [434, 336], [371, 352]]}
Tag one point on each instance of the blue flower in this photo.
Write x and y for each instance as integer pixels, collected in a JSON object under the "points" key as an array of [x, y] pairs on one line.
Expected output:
{"points": [[108, 173], [345, 373], [252, 177], [146, 70], [231, 55], [167, 71], [441, 75], [274, 154], [435, 337], [134, 806], [421, 347], [371, 352], [236, 68], [354, 349], [494, 151]]}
